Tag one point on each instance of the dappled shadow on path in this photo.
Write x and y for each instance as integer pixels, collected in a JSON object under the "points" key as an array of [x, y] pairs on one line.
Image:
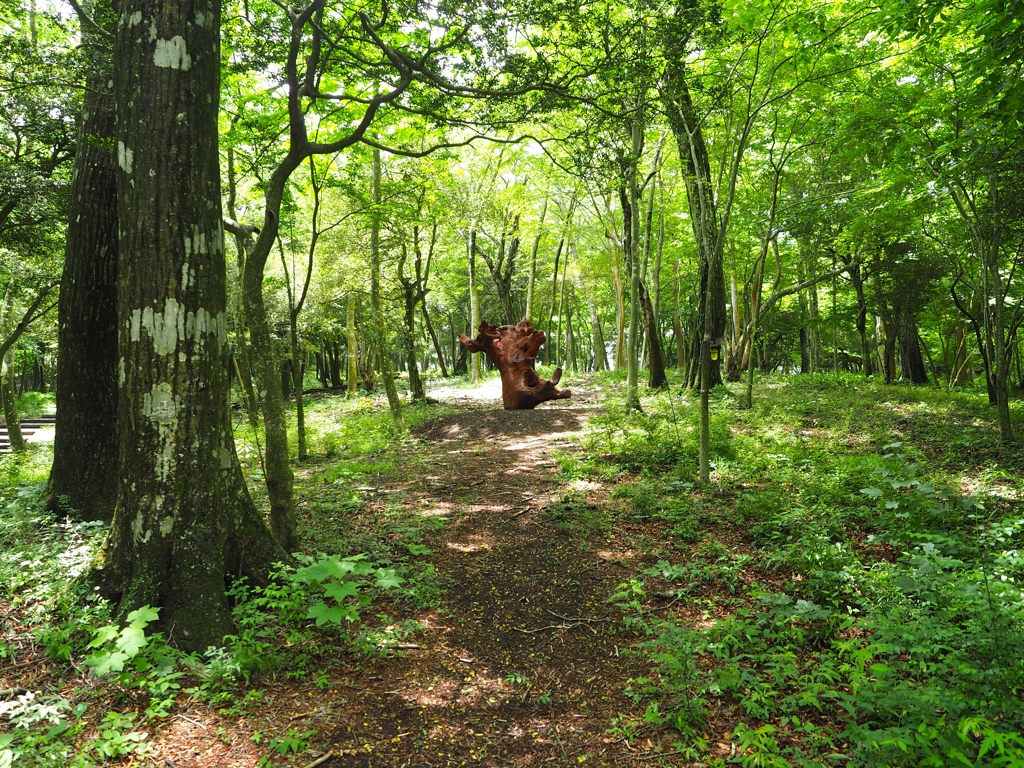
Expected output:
{"points": [[521, 663]]}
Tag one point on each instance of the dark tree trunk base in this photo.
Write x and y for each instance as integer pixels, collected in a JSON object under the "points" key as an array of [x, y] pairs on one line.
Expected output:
{"points": [[513, 350]]}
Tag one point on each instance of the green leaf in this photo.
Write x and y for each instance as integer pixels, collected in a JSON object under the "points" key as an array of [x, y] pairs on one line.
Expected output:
{"points": [[104, 662], [340, 590], [104, 635], [325, 615], [387, 578], [143, 616], [871, 492], [362, 569], [131, 640]]}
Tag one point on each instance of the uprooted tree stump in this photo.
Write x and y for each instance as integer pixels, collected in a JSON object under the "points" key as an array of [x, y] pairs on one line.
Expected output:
{"points": [[513, 349]]}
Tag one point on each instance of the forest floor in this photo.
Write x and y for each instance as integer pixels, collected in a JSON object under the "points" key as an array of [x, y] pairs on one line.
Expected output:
{"points": [[570, 596], [521, 663]]}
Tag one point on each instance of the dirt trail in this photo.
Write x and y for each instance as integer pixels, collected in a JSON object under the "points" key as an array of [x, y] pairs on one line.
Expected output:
{"points": [[523, 664], [520, 666]]}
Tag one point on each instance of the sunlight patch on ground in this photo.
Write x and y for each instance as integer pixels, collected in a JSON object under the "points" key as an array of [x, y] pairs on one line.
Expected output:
{"points": [[41, 435], [472, 689], [979, 487], [538, 441], [488, 390], [440, 694], [475, 543], [490, 509], [617, 554], [437, 509]]}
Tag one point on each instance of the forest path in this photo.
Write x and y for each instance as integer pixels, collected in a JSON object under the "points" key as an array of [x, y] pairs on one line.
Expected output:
{"points": [[520, 660], [521, 664]]}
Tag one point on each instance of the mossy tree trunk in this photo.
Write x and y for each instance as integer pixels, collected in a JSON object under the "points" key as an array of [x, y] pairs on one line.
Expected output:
{"points": [[184, 522], [85, 448]]}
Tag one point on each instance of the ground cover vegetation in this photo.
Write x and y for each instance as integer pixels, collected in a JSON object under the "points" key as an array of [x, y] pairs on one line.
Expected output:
{"points": [[846, 590], [775, 248]]}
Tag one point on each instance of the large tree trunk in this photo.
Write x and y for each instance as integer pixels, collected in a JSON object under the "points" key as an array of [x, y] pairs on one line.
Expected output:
{"points": [[513, 350], [85, 448], [184, 522]]}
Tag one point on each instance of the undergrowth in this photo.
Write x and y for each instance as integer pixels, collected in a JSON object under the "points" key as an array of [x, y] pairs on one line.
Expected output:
{"points": [[866, 609], [323, 609]]}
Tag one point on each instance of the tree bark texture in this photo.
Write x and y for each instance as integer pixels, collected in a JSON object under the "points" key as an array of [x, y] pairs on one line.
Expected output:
{"points": [[184, 522], [513, 350], [85, 448]]}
